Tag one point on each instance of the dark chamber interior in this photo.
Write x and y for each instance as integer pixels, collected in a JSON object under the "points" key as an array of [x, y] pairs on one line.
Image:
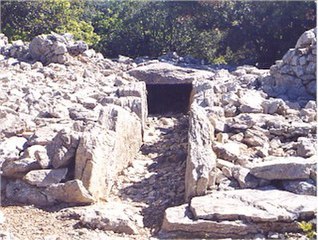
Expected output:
{"points": [[168, 98]]}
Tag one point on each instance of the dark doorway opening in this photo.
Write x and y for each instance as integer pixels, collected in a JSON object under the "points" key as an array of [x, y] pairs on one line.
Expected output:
{"points": [[168, 98]]}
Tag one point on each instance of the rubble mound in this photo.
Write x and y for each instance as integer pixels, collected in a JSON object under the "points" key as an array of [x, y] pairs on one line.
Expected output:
{"points": [[75, 130], [295, 75]]}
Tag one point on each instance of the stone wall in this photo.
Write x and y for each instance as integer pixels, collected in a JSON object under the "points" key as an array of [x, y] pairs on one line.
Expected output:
{"points": [[251, 166], [295, 75]]}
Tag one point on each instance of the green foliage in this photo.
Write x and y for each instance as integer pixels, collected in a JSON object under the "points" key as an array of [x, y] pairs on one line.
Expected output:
{"points": [[80, 30], [308, 229], [32, 18], [232, 32]]}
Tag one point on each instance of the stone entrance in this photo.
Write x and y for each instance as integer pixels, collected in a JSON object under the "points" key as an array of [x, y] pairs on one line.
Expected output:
{"points": [[168, 98]]}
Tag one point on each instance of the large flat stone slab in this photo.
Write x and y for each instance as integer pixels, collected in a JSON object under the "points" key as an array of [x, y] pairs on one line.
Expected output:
{"points": [[238, 214], [252, 205], [165, 73], [112, 216], [284, 168], [45, 177]]}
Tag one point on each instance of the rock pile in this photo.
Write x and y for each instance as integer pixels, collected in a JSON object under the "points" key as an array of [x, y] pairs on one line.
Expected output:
{"points": [[55, 48], [245, 149], [55, 137], [72, 121], [295, 75]]}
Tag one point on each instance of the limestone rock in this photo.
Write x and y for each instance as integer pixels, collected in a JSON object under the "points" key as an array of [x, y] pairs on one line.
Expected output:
{"points": [[10, 148], [38, 153], [283, 168], [244, 178], [238, 214], [17, 168], [294, 76], [48, 49], [22, 192], [251, 102], [306, 147], [11, 124], [203, 93], [139, 105], [306, 39], [255, 137], [303, 187], [165, 73], [45, 177], [230, 151], [61, 150], [72, 192], [201, 159], [253, 205], [106, 148], [44, 135], [112, 216]]}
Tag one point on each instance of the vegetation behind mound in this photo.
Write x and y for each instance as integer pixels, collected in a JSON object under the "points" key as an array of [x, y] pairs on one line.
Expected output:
{"points": [[222, 32]]}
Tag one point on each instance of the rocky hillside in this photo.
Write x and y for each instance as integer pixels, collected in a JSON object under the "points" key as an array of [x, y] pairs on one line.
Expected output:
{"points": [[75, 130]]}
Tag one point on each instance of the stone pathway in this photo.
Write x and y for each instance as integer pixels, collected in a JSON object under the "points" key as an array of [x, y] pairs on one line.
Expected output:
{"points": [[153, 182], [155, 179]]}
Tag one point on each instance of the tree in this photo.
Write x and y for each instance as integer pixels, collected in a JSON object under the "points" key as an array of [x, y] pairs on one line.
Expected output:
{"points": [[33, 18]]}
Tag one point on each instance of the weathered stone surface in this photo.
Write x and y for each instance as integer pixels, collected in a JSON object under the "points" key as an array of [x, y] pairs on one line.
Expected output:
{"points": [[72, 192], [244, 178], [11, 124], [22, 192], [10, 148], [177, 222], [239, 214], [251, 102], [202, 93], [306, 39], [38, 153], [303, 187], [61, 150], [253, 205], [139, 105], [230, 151], [294, 75], [165, 73], [255, 137], [112, 216], [45, 177], [44, 135], [283, 168], [105, 148], [17, 168], [306, 147], [201, 159], [48, 49]]}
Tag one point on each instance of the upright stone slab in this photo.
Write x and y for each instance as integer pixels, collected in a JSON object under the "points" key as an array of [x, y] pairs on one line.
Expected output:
{"points": [[136, 99], [201, 159], [106, 148]]}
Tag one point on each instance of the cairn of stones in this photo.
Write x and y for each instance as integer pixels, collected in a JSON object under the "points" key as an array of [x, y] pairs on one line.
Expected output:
{"points": [[72, 120]]}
